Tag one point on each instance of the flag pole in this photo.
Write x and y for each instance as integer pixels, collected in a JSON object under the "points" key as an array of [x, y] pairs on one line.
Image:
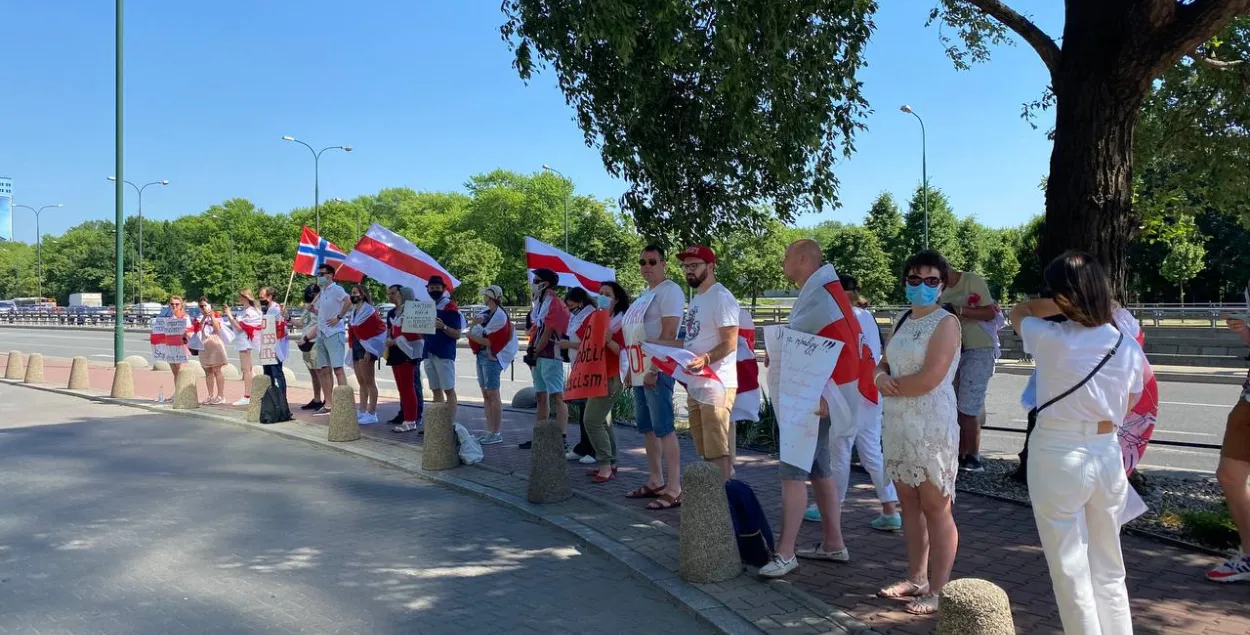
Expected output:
{"points": [[288, 288]]}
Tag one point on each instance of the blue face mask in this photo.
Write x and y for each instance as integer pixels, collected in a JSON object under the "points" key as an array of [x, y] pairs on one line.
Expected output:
{"points": [[922, 294], [603, 302]]}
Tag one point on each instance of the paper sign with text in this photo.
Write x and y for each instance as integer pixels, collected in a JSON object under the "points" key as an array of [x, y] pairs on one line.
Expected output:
{"points": [[267, 353], [166, 338], [589, 376], [799, 368], [419, 317], [633, 360]]}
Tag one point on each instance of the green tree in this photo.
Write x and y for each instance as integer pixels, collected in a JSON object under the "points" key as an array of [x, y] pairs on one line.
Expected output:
{"points": [[943, 227], [856, 251], [750, 260], [975, 242], [1001, 266], [886, 223], [1183, 262], [475, 262], [19, 275]]}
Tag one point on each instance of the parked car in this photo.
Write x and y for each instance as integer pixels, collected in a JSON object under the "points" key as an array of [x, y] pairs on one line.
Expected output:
{"points": [[8, 307]]}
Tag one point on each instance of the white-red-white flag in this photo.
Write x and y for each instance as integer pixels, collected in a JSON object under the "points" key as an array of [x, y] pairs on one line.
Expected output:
{"points": [[747, 398], [704, 386], [368, 328], [573, 271], [392, 259]]}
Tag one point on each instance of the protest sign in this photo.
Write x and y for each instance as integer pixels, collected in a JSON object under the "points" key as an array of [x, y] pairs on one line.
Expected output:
{"points": [[800, 367], [166, 339], [589, 376], [268, 350], [419, 317], [633, 360]]}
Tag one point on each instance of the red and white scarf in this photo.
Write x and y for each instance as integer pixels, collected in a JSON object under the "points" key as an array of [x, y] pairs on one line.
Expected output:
{"points": [[367, 328]]}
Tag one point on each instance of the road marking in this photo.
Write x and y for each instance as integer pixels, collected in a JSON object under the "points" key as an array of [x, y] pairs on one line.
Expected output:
{"points": [[1205, 405]]}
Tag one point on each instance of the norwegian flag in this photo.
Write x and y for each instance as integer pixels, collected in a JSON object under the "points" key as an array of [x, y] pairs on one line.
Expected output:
{"points": [[367, 328], [390, 259], [704, 386], [572, 271], [315, 251]]}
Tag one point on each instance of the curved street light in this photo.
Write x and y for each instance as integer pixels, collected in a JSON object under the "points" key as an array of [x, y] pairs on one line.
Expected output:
{"points": [[924, 172], [317, 173], [140, 191], [38, 241]]}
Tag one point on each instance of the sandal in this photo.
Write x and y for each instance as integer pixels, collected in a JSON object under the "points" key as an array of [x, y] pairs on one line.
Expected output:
{"points": [[904, 589], [603, 479], [594, 470], [926, 604], [665, 501], [645, 492]]}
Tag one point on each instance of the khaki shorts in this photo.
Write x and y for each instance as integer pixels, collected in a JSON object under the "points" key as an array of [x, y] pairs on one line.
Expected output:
{"points": [[709, 426], [1237, 433]]}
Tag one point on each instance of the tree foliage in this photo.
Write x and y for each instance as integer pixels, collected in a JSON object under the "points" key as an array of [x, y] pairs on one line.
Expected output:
{"points": [[1183, 262], [749, 261]]}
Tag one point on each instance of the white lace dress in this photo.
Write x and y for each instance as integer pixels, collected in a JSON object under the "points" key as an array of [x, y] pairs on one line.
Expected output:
{"points": [[920, 435]]}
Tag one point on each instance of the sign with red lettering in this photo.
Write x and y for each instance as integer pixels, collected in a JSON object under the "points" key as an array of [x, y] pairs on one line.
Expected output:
{"points": [[268, 350], [589, 376]]}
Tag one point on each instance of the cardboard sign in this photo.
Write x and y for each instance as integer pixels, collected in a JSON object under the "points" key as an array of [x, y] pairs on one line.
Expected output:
{"points": [[633, 360], [166, 339], [419, 317], [799, 368], [267, 352], [589, 376]]}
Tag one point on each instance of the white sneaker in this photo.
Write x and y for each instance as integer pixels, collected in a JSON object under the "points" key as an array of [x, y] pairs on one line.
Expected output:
{"points": [[491, 439], [367, 418], [407, 426], [572, 456], [779, 566], [589, 459], [246, 401]]}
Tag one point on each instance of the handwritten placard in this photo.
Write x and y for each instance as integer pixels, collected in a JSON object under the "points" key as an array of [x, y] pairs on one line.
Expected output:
{"points": [[268, 350], [419, 317], [167, 343], [800, 365], [589, 376]]}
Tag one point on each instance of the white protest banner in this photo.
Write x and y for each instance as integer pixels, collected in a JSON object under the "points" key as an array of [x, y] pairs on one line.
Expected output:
{"points": [[799, 368], [419, 317], [633, 360], [166, 340], [267, 353]]}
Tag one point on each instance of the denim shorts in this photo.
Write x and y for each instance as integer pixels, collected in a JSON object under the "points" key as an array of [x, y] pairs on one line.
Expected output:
{"points": [[976, 367], [548, 376], [653, 407], [488, 371]]}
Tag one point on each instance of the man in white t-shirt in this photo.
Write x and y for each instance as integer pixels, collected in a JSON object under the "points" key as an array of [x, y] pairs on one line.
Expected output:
{"points": [[661, 306], [333, 305], [712, 335]]}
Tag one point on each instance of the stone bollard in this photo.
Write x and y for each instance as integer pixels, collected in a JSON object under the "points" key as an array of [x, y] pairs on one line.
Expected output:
{"points": [[289, 374], [524, 398], [78, 377], [439, 447], [186, 392], [343, 424], [231, 372], [971, 606], [196, 368], [260, 384], [34, 369], [708, 546], [137, 362], [123, 382], [549, 470], [14, 369], [161, 365]]}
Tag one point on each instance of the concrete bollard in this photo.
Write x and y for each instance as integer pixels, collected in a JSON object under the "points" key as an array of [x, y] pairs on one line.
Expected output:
{"points": [[231, 372], [971, 606], [524, 398], [137, 362], [708, 546], [439, 448], [549, 470], [260, 384], [289, 374], [186, 391], [34, 369], [343, 424], [78, 377], [195, 367], [160, 365], [13, 369], [123, 382]]}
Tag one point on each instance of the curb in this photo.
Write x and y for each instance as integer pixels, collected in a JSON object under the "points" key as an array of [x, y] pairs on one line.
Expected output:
{"points": [[689, 597]]}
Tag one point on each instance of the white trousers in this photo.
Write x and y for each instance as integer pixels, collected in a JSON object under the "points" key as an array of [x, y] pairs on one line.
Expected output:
{"points": [[1078, 489], [867, 440]]}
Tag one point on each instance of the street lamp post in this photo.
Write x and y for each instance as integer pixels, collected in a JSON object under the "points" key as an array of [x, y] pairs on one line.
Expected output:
{"points": [[317, 173], [119, 282], [138, 189], [924, 172], [38, 241], [566, 208]]}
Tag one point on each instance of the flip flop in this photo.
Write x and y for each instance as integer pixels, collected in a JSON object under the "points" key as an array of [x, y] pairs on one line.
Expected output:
{"points": [[665, 501], [645, 492], [923, 605], [904, 589]]}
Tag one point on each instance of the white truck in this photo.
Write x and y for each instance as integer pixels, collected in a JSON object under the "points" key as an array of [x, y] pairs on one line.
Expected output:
{"points": [[86, 299]]}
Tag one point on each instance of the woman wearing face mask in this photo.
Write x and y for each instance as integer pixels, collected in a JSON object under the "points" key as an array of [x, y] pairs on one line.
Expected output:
{"points": [[213, 355], [1089, 374], [614, 301], [367, 332], [580, 307], [247, 337], [920, 431]]}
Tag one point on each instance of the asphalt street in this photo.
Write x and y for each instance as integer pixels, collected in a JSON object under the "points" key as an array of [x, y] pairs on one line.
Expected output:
{"points": [[1190, 412]]}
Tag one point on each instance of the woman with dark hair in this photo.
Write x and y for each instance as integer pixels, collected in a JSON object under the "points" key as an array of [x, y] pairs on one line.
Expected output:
{"points": [[367, 331], [614, 301], [1088, 377], [920, 431], [580, 307]]}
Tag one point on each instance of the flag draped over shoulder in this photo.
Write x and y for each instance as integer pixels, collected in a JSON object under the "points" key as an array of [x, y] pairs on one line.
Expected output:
{"points": [[747, 398], [502, 337], [367, 328]]}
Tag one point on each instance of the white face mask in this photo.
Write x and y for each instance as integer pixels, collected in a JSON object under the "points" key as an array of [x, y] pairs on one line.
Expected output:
{"points": [[538, 288]]}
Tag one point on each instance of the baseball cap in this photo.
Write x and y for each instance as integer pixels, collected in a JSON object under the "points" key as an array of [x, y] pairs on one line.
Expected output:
{"points": [[493, 291], [436, 280], [698, 251]]}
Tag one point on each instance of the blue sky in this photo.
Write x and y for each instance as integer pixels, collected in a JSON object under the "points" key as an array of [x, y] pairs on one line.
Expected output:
{"points": [[425, 93]]}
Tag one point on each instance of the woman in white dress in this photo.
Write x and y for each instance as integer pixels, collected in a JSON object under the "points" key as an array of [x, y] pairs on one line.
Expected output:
{"points": [[246, 337], [920, 431]]}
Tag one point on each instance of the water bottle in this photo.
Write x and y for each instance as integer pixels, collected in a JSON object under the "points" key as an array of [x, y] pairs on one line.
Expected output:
{"points": [[160, 394]]}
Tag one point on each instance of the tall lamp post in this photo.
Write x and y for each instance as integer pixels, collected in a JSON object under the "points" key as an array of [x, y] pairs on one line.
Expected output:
{"points": [[924, 172], [140, 191], [317, 173], [566, 208], [38, 241], [119, 282]]}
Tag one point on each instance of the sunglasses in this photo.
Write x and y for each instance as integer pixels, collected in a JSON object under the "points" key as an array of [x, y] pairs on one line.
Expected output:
{"points": [[643, 262], [931, 281]]}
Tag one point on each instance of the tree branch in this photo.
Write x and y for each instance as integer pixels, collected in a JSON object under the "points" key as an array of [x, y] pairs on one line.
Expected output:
{"points": [[1207, 60], [1042, 43], [1194, 24]]}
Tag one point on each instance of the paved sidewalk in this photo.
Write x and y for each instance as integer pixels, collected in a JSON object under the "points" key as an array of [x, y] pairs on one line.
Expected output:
{"points": [[998, 540]]}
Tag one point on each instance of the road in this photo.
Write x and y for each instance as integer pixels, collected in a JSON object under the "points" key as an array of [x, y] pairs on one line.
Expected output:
{"points": [[1190, 412], [119, 521]]}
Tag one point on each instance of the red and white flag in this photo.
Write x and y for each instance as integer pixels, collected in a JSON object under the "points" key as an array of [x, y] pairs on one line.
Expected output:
{"points": [[704, 386], [747, 399], [391, 259], [368, 328], [573, 272], [502, 337]]}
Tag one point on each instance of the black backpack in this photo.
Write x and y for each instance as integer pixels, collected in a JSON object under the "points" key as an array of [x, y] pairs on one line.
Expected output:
{"points": [[273, 406], [755, 537]]}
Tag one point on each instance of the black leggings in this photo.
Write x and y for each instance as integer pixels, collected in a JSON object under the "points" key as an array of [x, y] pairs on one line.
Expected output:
{"points": [[274, 372]]}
